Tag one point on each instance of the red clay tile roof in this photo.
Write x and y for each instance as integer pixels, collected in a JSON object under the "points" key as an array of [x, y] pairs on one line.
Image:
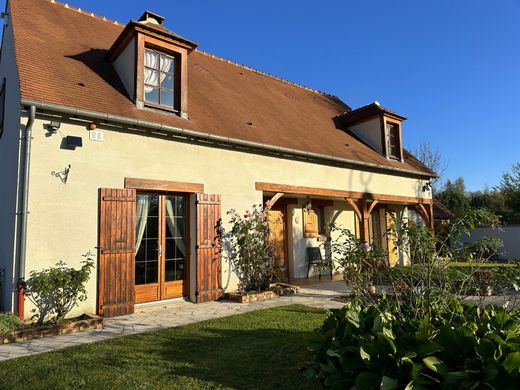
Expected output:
{"points": [[58, 48]]}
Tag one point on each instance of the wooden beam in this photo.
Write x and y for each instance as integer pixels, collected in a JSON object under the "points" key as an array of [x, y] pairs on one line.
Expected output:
{"points": [[372, 205], [423, 213], [163, 185], [355, 207], [274, 199], [334, 193], [365, 222]]}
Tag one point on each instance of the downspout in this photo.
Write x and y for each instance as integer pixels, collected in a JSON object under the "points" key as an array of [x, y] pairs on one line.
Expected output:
{"points": [[25, 209]]}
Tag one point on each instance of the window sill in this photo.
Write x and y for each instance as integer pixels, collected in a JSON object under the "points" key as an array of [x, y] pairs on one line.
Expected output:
{"points": [[162, 108]]}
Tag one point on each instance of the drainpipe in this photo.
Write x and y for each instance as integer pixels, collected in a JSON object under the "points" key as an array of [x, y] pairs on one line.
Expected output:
{"points": [[25, 210]]}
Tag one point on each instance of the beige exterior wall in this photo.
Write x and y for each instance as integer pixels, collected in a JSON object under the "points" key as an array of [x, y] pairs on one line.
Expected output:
{"points": [[63, 217], [370, 131], [125, 68], [9, 169]]}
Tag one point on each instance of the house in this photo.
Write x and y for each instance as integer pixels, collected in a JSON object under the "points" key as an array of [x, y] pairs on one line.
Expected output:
{"points": [[128, 139]]}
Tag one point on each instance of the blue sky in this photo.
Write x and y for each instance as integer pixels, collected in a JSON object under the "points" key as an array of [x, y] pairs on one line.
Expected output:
{"points": [[452, 67]]}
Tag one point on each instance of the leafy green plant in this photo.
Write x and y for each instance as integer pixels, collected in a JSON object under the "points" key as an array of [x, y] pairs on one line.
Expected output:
{"points": [[249, 249], [366, 346], [9, 322], [428, 283], [56, 290]]}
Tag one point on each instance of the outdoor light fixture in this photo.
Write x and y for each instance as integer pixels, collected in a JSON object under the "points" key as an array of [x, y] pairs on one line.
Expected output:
{"points": [[92, 126], [308, 205], [427, 186], [63, 175], [53, 126]]}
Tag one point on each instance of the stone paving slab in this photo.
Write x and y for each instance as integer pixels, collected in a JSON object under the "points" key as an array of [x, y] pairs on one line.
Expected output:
{"points": [[160, 316]]}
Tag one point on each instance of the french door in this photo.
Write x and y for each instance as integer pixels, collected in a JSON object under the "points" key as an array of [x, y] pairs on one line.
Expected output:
{"points": [[162, 248]]}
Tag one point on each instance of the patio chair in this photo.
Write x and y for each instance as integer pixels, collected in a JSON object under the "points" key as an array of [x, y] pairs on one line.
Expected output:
{"points": [[315, 259]]}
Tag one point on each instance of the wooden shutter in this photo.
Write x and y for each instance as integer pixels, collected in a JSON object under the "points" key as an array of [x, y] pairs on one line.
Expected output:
{"points": [[116, 253], [209, 262], [310, 224]]}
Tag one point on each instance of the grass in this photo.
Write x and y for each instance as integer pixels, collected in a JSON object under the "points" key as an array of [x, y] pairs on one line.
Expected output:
{"points": [[258, 350]]}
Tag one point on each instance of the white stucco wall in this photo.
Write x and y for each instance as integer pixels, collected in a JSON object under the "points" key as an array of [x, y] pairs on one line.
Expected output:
{"points": [[370, 131], [9, 165], [125, 67], [63, 220], [510, 236]]}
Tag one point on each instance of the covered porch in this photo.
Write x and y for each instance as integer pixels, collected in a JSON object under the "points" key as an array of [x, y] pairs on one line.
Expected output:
{"points": [[300, 218]]}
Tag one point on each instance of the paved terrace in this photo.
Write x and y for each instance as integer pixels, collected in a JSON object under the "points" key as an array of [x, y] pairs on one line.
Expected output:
{"points": [[159, 316]]}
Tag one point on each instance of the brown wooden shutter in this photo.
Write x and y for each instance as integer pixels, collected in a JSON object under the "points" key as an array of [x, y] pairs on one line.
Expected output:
{"points": [[310, 224], [209, 262], [116, 268]]}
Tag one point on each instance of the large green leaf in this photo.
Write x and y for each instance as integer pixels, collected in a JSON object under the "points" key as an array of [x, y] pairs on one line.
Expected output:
{"points": [[435, 364], [367, 381], [512, 362], [388, 383], [429, 349]]}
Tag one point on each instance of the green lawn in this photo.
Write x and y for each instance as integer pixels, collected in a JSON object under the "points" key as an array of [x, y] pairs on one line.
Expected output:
{"points": [[258, 350]]}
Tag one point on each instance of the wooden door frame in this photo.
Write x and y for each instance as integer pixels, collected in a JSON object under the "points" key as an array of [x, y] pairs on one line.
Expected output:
{"points": [[161, 284]]}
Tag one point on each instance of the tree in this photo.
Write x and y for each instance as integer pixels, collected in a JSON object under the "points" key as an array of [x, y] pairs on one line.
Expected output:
{"points": [[453, 196], [433, 159], [509, 188]]}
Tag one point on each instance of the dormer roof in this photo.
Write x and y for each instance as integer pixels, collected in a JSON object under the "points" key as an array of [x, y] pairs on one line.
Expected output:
{"points": [[366, 112], [148, 24]]}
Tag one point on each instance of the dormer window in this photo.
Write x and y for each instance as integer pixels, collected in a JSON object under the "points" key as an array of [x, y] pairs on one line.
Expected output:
{"points": [[152, 63], [392, 136], [159, 79], [376, 126]]}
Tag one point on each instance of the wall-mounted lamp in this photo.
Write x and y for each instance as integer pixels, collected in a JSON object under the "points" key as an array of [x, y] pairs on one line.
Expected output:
{"points": [[92, 126], [308, 206], [427, 186], [63, 175], [53, 126]]}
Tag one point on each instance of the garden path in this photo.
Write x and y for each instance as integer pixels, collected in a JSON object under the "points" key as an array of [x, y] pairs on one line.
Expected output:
{"points": [[161, 315]]}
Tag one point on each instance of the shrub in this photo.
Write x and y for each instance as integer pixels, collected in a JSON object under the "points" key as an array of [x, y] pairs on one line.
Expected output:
{"points": [[56, 290], [249, 248], [365, 346], [9, 322], [429, 283]]}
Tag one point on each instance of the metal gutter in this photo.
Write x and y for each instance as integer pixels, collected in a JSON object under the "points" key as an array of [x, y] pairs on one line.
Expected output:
{"points": [[25, 191], [105, 117]]}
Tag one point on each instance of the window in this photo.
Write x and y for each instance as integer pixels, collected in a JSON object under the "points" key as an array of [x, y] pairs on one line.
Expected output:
{"points": [[159, 79], [392, 133], [2, 108]]}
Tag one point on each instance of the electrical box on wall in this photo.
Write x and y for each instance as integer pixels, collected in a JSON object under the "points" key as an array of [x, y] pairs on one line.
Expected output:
{"points": [[95, 135]]}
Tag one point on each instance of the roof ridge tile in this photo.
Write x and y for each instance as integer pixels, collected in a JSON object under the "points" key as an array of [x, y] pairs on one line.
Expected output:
{"points": [[103, 18], [265, 74]]}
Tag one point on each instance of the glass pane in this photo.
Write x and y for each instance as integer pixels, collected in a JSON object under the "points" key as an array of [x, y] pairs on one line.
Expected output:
{"points": [[167, 81], [152, 226], [167, 64], [179, 271], [151, 272], [167, 98], [154, 205], [140, 273], [151, 77], [151, 94], [170, 271], [151, 59]]}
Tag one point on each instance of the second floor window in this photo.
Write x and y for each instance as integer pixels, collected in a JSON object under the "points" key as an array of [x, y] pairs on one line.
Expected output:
{"points": [[159, 79], [392, 132]]}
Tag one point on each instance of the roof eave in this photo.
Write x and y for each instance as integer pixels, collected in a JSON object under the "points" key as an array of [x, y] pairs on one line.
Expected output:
{"points": [[109, 118]]}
